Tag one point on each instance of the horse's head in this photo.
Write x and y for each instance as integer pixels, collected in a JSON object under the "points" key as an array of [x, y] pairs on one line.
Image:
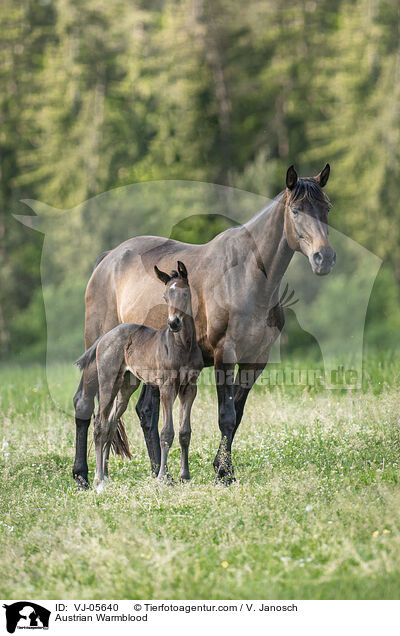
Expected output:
{"points": [[176, 295], [306, 219]]}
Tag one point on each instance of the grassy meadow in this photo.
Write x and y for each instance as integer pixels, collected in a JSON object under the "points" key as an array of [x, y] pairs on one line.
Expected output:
{"points": [[315, 511]]}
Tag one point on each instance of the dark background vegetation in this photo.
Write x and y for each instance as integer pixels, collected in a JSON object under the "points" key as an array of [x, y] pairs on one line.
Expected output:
{"points": [[96, 95]]}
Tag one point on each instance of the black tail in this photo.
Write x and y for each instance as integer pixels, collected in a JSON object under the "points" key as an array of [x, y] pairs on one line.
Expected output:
{"points": [[120, 444], [100, 258], [88, 357]]}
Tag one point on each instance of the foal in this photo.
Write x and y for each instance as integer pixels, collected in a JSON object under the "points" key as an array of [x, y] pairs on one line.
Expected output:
{"points": [[168, 358]]}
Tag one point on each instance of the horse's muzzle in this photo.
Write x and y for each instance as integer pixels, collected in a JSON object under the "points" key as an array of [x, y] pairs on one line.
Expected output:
{"points": [[175, 325], [323, 260]]}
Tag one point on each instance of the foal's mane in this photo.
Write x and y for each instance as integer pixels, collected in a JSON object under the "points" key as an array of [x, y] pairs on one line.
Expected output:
{"points": [[308, 188]]}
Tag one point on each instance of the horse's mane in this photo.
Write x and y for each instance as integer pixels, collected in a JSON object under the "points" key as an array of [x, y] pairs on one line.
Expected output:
{"points": [[308, 188]]}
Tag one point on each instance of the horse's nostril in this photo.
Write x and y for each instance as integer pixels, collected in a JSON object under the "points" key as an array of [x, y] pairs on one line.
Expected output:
{"points": [[318, 258], [174, 324]]}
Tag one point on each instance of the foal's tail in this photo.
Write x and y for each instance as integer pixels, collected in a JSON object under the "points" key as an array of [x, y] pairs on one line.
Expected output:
{"points": [[120, 444], [88, 357]]}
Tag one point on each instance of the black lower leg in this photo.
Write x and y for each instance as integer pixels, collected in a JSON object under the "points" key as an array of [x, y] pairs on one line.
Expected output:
{"points": [[226, 420], [240, 401], [80, 468], [147, 409], [154, 435], [244, 381]]}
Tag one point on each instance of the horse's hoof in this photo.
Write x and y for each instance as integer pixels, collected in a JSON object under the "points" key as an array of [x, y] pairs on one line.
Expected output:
{"points": [[226, 480], [184, 479], [81, 482], [166, 479], [224, 476], [100, 486]]}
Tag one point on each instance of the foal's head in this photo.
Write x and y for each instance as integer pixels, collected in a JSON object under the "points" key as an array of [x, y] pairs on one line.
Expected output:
{"points": [[306, 219], [176, 295]]}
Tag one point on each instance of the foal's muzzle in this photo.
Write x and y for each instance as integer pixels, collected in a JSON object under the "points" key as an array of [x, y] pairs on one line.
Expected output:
{"points": [[323, 260], [175, 325]]}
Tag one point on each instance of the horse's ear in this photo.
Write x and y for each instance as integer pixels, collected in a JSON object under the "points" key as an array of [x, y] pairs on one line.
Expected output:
{"points": [[323, 176], [291, 178], [164, 278], [182, 270]]}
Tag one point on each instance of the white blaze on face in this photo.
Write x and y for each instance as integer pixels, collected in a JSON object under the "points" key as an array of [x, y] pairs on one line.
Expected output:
{"points": [[172, 286]]}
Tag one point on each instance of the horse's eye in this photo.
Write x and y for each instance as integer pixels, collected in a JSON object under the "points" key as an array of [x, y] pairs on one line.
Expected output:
{"points": [[295, 212]]}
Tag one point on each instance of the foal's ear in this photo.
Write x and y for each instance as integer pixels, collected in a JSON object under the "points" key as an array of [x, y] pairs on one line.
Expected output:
{"points": [[323, 176], [291, 177], [182, 270], [164, 278]]}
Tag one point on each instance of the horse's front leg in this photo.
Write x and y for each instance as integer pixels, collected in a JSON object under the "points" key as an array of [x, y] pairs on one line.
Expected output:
{"points": [[245, 379], [167, 395], [187, 394], [224, 380]]}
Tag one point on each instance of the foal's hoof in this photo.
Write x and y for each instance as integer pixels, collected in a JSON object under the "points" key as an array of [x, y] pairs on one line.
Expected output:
{"points": [[81, 482], [166, 479], [184, 479], [100, 486]]}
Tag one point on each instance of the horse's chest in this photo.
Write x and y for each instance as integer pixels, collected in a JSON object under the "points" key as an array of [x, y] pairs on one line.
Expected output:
{"points": [[248, 333]]}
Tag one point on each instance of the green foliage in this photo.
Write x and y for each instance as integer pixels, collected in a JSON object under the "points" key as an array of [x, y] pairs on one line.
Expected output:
{"points": [[100, 95]]}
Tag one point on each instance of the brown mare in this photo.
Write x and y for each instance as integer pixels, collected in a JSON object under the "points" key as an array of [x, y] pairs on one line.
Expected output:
{"points": [[168, 358], [235, 281]]}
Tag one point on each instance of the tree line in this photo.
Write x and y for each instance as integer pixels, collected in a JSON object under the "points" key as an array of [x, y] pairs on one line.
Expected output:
{"points": [[98, 95]]}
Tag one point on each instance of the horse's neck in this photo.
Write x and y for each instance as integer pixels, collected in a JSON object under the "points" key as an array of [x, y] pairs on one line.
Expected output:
{"points": [[266, 235], [186, 337]]}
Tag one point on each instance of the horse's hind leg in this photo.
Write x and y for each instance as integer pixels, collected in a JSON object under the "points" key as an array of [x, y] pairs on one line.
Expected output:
{"points": [[110, 356], [167, 395], [100, 433], [84, 405], [148, 408], [129, 385], [187, 395]]}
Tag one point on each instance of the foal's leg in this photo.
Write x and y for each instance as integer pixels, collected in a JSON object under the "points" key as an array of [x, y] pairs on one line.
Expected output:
{"points": [[109, 361], [84, 406], [100, 430], [147, 408], [167, 394], [129, 385], [104, 429], [187, 395]]}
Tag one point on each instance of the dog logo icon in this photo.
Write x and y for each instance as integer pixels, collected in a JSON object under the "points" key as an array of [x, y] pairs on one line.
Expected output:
{"points": [[26, 615]]}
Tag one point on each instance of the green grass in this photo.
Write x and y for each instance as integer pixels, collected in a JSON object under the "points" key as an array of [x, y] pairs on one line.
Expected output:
{"points": [[315, 512]]}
